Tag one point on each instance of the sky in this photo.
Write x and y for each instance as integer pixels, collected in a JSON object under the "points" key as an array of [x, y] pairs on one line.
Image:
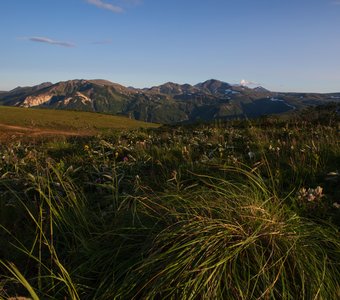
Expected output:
{"points": [[282, 45]]}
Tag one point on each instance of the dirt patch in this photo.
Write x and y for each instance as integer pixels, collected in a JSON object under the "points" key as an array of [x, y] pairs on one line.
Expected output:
{"points": [[17, 132]]}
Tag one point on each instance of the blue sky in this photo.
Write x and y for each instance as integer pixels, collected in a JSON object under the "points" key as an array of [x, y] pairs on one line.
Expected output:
{"points": [[283, 45]]}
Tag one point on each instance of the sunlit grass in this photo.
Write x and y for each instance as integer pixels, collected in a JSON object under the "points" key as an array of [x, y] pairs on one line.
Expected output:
{"points": [[66, 120]]}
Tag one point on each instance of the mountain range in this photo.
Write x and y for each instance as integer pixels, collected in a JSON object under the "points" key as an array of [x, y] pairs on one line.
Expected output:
{"points": [[166, 103]]}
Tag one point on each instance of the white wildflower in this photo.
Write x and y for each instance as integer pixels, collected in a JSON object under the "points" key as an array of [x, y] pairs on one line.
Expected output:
{"points": [[251, 155], [336, 205]]}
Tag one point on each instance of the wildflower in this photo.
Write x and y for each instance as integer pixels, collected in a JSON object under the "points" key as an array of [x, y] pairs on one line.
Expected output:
{"points": [[125, 159], [311, 195], [302, 193], [333, 174], [318, 191], [86, 147], [336, 205], [251, 155]]}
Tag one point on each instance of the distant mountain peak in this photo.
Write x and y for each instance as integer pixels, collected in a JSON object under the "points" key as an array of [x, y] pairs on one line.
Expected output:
{"points": [[261, 89], [214, 86], [212, 82]]}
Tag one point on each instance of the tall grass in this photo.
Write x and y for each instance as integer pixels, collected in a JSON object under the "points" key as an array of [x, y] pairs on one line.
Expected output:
{"points": [[236, 241], [175, 213], [42, 207], [221, 239]]}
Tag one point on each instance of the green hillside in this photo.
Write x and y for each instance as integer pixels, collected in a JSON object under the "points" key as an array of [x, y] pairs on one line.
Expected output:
{"points": [[66, 120]]}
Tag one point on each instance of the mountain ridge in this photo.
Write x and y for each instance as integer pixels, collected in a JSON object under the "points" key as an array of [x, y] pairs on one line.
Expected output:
{"points": [[166, 103]]}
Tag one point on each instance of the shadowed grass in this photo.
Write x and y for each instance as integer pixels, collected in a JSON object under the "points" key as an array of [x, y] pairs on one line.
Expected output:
{"points": [[172, 213], [214, 240], [237, 241], [42, 207]]}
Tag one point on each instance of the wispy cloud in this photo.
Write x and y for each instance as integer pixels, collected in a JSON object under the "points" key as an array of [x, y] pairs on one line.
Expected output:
{"points": [[336, 2], [105, 5], [46, 40]]}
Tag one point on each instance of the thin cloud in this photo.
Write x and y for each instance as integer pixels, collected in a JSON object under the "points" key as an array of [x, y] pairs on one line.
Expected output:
{"points": [[105, 5], [39, 39], [244, 82], [337, 2]]}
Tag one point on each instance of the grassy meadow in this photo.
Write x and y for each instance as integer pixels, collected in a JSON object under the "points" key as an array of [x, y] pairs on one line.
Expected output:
{"points": [[78, 122], [229, 210]]}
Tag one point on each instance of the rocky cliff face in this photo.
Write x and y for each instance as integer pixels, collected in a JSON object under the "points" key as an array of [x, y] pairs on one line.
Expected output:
{"points": [[31, 101]]}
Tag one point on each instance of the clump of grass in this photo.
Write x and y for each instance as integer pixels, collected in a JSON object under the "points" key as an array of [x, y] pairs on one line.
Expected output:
{"points": [[237, 241]]}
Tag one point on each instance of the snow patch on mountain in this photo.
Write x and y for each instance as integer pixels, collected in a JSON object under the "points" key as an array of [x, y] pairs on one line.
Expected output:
{"points": [[281, 100], [231, 92]]}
